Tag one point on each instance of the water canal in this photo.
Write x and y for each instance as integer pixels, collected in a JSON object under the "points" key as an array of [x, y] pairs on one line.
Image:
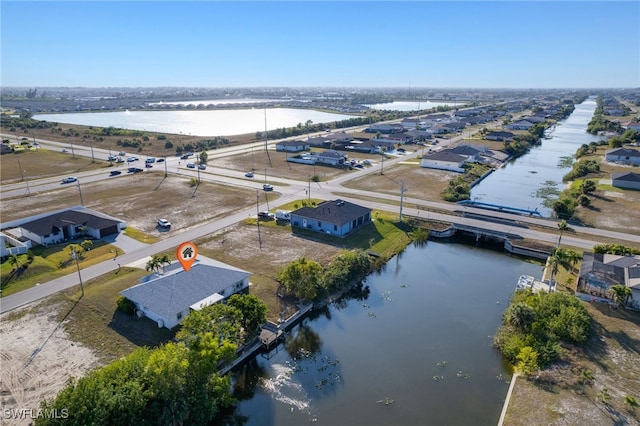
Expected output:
{"points": [[524, 181], [413, 347]]}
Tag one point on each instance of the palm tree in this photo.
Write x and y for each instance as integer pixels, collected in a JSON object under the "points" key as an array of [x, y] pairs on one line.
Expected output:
{"points": [[572, 257], [14, 261], [562, 226], [157, 262], [621, 293]]}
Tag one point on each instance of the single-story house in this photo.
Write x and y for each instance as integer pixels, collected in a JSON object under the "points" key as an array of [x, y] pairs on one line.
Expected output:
{"points": [[373, 146], [384, 128], [339, 138], [444, 160], [499, 136], [419, 135], [293, 146], [470, 151], [614, 111], [330, 157], [623, 155], [169, 297], [520, 125], [628, 180], [319, 141], [69, 224], [336, 217], [633, 125], [598, 272]]}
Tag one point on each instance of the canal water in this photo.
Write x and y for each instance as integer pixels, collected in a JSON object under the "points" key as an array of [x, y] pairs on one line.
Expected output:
{"points": [[526, 182], [412, 347]]}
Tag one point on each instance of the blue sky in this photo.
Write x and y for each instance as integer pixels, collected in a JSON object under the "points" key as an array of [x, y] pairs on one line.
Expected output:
{"points": [[501, 44]]}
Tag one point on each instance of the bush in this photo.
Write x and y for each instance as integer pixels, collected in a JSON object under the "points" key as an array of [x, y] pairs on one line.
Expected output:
{"points": [[126, 305]]}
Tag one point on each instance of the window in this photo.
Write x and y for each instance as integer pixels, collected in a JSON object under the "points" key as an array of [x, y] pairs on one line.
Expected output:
{"points": [[335, 227], [179, 316]]}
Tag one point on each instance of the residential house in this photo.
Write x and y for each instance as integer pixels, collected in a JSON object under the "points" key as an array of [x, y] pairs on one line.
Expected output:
{"points": [[598, 272], [472, 152], [69, 224], [374, 146], [614, 111], [623, 156], [319, 142], [633, 125], [444, 160], [454, 126], [627, 180], [520, 125], [169, 297], [384, 128], [499, 136], [293, 146], [419, 135], [10, 246], [330, 157], [336, 217]]}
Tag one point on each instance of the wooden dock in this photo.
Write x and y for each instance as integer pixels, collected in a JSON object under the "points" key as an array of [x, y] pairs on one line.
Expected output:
{"points": [[270, 335]]}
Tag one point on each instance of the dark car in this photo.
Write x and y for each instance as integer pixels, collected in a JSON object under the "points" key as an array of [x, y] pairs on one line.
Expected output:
{"points": [[148, 165], [160, 160], [267, 187], [114, 172]]}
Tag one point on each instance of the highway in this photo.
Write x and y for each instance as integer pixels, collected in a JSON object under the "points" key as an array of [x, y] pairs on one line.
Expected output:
{"points": [[291, 190]]}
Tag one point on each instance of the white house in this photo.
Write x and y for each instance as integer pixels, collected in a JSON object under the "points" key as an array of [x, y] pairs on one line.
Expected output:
{"points": [[628, 180], [293, 146], [444, 160], [623, 155], [68, 224], [169, 297]]}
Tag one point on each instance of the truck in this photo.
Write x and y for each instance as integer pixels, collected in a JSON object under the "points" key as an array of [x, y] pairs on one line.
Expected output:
{"points": [[283, 215]]}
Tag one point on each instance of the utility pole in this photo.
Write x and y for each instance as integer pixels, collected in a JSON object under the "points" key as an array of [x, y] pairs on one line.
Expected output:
{"points": [[309, 190], [22, 174], [382, 164], [93, 160], [73, 153], [258, 217], [80, 191], [75, 256], [402, 191]]}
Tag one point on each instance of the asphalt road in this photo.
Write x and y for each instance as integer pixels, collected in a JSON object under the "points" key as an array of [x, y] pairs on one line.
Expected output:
{"points": [[291, 190]]}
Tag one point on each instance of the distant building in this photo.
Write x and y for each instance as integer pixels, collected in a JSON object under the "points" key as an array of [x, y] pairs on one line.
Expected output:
{"points": [[292, 146], [335, 217], [520, 125], [444, 160], [623, 155], [168, 298], [499, 136], [628, 180]]}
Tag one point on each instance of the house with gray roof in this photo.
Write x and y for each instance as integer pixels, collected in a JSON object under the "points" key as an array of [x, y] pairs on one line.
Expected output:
{"points": [[169, 297], [444, 160], [62, 225], [292, 146], [627, 180], [520, 125], [337, 217], [623, 156], [499, 136], [598, 272]]}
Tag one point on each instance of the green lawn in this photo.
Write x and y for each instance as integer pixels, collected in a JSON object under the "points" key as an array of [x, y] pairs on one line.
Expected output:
{"points": [[49, 263]]}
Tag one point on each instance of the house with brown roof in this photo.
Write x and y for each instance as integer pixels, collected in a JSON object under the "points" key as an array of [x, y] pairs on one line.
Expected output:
{"points": [[336, 217]]}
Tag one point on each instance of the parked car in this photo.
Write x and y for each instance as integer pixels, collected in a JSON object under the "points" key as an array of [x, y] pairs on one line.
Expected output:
{"points": [[249, 174], [115, 172], [160, 160], [266, 215], [164, 223], [132, 159], [122, 153], [64, 150], [150, 160], [148, 165], [191, 165], [112, 158], [120, 160], [69, 179], [267, 187], [202, 166], [134, 170]]}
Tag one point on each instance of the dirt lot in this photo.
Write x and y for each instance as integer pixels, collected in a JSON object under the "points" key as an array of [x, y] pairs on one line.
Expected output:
{"points": [[557, 396], [140, 199]]}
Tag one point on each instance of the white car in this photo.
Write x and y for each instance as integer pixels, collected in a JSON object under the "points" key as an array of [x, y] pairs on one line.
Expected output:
{"points": [[164, 223], [267, 187], [69, 179]]}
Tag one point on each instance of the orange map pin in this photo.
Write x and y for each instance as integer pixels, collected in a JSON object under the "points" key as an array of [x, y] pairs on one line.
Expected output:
{"points": [[187, 253]]}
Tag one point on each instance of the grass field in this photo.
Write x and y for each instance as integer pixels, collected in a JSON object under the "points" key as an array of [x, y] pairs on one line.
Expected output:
{"points": [[49, 263]]}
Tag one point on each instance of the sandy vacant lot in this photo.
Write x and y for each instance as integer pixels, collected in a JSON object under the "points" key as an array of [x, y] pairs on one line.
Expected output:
{"points": [[37, 358]]}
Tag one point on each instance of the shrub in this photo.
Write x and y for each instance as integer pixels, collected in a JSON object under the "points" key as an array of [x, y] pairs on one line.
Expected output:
{"points": [[126, 305]]}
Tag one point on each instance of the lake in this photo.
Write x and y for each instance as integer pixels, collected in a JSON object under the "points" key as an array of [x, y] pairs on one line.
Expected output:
{"points": [[199, 123], [518, 182], [411, 105], [414, 347]]}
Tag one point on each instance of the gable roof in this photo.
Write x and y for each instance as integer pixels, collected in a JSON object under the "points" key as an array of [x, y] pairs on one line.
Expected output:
{"points": [[465, 150], [337, 212], [177, 290], [58, 220], [293, 143]]}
